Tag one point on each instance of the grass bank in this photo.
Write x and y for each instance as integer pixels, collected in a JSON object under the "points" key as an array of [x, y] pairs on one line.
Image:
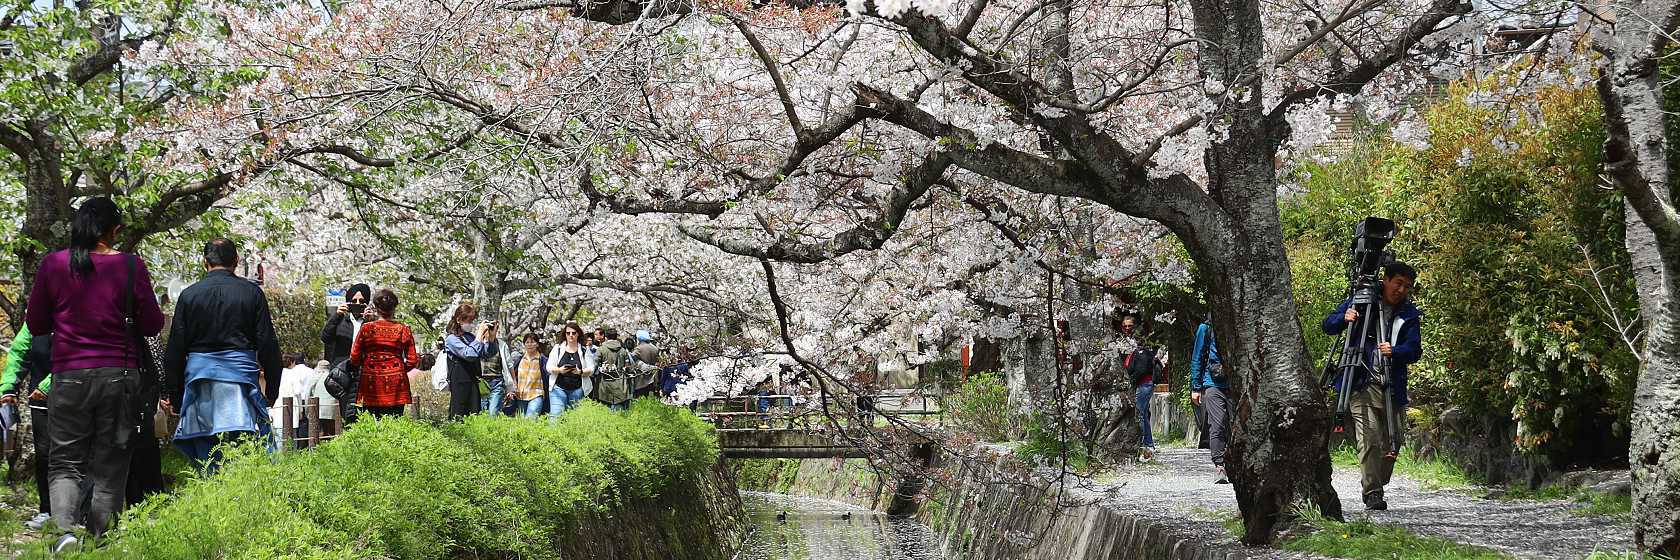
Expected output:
{"points": [[1433, 473], [1361, 539], [395, 488]]}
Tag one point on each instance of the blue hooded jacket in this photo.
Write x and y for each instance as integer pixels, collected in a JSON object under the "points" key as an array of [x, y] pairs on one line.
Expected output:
{"points": [[1408, 346], [1199, 378]]}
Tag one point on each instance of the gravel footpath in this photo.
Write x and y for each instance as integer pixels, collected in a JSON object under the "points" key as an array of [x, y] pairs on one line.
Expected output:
{"points": [[1177, 489]]}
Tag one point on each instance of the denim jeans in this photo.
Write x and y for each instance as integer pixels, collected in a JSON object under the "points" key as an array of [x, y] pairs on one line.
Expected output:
{"points": [[561, 400], [492, 403], [1144, 393], [527, 409]]}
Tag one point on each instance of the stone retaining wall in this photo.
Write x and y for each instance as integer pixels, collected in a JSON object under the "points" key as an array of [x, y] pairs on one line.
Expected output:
{"points": [[986, 512], [699, 517]]}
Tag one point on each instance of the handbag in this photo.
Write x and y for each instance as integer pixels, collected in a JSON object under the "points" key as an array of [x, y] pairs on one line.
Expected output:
{"points": [[145, 399], [342, 379], [440, 371]]}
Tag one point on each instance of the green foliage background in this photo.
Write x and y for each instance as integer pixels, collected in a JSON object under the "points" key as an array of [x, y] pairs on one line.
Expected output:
{"points": [[1507, 219]]}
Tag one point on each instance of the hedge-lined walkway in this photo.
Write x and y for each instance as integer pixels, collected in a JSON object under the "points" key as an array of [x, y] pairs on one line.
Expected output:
{"points": [[487, 487]]}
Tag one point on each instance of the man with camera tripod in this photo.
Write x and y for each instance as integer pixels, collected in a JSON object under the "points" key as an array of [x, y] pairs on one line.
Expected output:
{"points": [[1368, 400]]}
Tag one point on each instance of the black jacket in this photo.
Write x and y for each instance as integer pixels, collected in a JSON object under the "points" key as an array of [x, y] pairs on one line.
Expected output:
{"points": [[221, 312], [36, 366], [336, 337]]}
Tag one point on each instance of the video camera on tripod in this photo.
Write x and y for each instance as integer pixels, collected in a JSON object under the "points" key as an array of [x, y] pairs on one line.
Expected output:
{"points": [[1359, 340]]}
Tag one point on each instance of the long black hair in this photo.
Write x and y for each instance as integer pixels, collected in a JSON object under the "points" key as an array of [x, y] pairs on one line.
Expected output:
{"points": [[94, 219]]}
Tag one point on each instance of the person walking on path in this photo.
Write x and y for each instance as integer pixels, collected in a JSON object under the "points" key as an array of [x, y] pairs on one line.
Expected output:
{"points": [[97, 304], [327, 405], [1209, 390], [385, 352], [570, 363], [526, 384], [339, 334], [647, 364], [294, 384], [613, 371], [1369, 394], [222, 352], [27, 370]]}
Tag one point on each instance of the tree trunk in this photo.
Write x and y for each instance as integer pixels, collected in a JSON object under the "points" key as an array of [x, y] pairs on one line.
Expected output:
{"points": [[46, 218], [1279, 456], [1654, 450], [1636, 155]]}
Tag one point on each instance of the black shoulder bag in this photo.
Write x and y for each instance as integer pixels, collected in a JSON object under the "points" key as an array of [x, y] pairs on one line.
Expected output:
{"points": [[147, 392], [1215, 371]]}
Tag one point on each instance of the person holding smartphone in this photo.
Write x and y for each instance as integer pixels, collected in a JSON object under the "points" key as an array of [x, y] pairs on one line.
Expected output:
{"points": [[467, 343], [339, 335]]}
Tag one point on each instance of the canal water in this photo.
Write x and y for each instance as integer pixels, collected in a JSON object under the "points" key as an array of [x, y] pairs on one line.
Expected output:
{"points": [[816, 529]]}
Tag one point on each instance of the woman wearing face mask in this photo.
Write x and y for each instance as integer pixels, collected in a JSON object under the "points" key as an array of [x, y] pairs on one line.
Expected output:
{"points": [[570, 364], [466, 345]]}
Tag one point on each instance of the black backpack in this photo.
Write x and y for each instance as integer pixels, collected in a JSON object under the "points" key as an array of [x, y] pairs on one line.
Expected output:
{"points": [[1142, 364]]}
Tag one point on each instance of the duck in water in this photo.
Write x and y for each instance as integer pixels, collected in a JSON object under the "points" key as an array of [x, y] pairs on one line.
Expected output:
{"points": [[781, 517]]}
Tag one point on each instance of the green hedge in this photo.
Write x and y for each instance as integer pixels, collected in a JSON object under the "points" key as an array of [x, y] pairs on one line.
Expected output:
{"points": [[395, 488]]}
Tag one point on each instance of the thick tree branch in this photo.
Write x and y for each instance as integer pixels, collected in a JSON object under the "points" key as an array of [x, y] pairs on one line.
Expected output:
{"points": [[622, 205], [866, 235], [1354, 79], [771, 66], [1621, 160], [350, 153]]}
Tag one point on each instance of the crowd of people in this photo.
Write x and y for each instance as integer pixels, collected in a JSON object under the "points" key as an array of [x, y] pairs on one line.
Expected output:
{"points": [[102, 394]]}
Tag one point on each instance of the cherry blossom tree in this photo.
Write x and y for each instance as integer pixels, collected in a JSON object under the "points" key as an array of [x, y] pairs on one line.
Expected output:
{"points": [[1637, 155], [825, 142]]}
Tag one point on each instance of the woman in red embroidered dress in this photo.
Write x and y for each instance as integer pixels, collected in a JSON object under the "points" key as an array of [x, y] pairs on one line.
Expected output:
{"points": [[384, 349]]}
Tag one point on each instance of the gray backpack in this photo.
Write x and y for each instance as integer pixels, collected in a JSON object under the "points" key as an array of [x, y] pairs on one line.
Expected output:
{"points": [[613, 376]]}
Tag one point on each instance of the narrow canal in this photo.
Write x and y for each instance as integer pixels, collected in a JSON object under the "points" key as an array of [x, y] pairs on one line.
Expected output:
{"points": [[793, 528]]}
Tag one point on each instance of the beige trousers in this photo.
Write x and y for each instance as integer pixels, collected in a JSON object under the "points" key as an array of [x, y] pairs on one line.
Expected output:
{"points": [[1370, 420]]}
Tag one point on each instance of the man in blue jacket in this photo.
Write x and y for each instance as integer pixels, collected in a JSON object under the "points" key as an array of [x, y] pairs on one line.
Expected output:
{"points": [[1210, 389], [1369, 405]]}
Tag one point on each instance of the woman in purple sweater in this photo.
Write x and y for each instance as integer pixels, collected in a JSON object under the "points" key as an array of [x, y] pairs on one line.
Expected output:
{"points": [[80, 296]]}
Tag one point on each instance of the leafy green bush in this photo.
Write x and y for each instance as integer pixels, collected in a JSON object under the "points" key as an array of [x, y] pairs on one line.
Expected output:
{"points": [[298, 318], [1523, 272], [394, 488], [765, 475], [1045, 446], [981, 406]]}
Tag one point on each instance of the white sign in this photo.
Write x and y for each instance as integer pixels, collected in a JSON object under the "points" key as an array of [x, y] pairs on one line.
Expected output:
{"points": [[335, 297]]}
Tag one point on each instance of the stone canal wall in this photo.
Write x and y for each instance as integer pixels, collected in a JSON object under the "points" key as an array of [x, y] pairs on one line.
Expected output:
{"points": [[994, 507], [696, 517]]}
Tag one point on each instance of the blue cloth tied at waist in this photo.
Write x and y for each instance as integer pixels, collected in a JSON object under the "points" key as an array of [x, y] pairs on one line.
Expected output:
{"points": [[221, 396]]}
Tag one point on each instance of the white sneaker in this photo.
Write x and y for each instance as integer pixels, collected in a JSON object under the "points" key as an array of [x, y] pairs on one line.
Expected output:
{"points": [[37, 522], [67, 542]]}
